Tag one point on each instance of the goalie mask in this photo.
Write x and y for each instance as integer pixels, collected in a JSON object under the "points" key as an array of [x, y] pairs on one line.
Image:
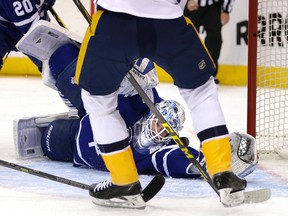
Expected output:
{"points": [[151, 134]]}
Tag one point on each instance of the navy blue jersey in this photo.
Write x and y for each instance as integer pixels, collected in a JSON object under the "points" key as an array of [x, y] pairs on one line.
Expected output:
{"points": [[173, 44], [16, 17]]}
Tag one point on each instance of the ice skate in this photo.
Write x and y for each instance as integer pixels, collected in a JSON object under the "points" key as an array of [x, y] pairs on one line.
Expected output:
{"points": [[231, 188], [122, 196]]}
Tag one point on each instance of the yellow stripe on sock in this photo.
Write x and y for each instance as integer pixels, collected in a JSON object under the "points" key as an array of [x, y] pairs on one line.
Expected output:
{"points": [[218, 155], [122, 167]]}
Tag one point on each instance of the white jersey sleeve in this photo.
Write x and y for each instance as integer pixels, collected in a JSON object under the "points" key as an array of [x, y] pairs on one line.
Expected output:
{"points": [[158, 9]]}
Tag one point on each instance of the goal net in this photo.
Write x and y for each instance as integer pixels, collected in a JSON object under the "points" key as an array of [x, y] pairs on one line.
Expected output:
{"points": [[268, 75]]}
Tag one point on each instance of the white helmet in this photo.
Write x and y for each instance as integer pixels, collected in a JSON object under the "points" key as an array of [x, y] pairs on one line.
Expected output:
{"points": [[149, 136]]}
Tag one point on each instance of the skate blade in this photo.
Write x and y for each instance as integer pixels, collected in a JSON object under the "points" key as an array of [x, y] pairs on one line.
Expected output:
{"points": [[131, 202]]}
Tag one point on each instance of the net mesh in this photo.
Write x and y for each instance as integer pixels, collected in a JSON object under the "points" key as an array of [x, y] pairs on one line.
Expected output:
{"points": [[272, 76]]}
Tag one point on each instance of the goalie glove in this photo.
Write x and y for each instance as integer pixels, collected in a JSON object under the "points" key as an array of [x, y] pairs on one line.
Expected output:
{"points": [[244, 153], [145, 74]]}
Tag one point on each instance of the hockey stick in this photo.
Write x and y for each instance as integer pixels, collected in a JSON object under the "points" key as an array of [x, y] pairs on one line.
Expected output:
{"points": [[57, 18], [44, 175], [148, 193], [4, 59], [182, 145], [83, 11]]}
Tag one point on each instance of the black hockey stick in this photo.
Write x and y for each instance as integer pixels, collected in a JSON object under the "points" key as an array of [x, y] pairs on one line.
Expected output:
{"points": [[180, 142], [148, 193], [4, 59], [57, 17], [44, 175], [83, 11]]}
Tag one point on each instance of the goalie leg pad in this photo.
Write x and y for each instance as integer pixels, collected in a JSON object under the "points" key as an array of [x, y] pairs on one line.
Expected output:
{"points": [[44, 38], [69, 92], [28, 133], [27, 138], [62, 57]]}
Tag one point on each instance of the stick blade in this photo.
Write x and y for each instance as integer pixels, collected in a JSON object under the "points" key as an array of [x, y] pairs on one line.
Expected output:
{"points": [[153, 187], [257, 196]]}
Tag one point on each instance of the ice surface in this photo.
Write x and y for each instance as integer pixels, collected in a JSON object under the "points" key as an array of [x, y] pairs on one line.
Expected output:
{"points": [[25, 194]]}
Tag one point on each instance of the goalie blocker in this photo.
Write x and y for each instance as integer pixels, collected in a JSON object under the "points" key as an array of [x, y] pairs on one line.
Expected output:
{"points": [[58, 134]]}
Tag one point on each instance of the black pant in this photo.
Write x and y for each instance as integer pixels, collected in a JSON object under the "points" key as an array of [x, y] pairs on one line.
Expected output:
{"points": [[209, 18]]}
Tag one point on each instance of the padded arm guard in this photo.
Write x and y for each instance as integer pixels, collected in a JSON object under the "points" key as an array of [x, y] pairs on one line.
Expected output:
{"points": [[28, 132]]}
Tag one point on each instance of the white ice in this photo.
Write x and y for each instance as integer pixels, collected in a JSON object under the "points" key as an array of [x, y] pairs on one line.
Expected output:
{"points": [[25, 194]]}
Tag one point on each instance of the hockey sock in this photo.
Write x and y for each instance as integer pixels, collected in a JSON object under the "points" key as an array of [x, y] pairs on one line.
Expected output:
{"points": [[121, 166], [218, 155]]}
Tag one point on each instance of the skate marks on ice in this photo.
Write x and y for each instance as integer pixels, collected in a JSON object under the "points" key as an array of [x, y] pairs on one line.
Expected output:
{"points": [[26, 194], [173, 188], [31, 195]]}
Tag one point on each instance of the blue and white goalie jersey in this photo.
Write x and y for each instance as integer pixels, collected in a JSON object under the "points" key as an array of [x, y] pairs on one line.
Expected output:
{"points": [[168, 160], [71, 140]]}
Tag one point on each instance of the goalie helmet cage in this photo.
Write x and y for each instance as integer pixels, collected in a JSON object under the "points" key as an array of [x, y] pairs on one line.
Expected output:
{"points": [[267, 114]]}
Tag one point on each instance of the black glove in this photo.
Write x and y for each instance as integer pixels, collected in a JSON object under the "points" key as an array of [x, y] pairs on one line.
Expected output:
{"points": [[47, 4]]}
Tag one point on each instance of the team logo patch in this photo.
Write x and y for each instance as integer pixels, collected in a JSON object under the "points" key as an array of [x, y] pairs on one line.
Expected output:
{"points": [[202, 64]]}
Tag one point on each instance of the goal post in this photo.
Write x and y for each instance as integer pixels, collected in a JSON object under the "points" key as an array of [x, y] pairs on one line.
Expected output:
{"points": [[252, 67], [92, 7], [267, 116]]}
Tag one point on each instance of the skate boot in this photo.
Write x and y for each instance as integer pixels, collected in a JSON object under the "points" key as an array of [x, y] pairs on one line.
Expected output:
{"points": [[231, 188], [122, 196]]}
